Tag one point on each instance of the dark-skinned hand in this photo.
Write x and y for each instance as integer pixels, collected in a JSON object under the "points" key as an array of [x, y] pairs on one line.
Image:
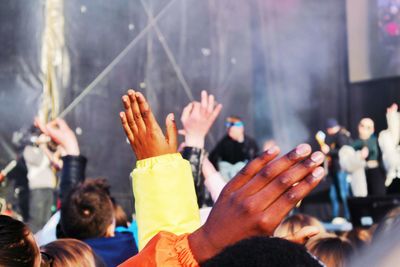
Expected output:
{"points": [[257, 199], [144, 133]]}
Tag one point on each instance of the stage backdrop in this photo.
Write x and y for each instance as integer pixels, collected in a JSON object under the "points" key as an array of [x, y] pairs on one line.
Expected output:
{"points": [[280, 65]]}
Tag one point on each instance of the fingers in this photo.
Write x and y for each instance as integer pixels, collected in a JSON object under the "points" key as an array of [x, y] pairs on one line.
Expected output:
{"points": [[303, 235], [216, 112], [267, 195], [137, 116], [273, 216], [61, 124], [40, 125], [186, 112], [204, 100], [145, 111], [127, 128], [172, 133], [266, 175], [211, 103], [251, 169], [53, 129], [182, 132], [129, 115]]}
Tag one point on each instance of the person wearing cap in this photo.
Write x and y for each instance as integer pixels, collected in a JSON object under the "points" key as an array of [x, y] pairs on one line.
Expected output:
{"points": [[337, 137], [234, 150]]}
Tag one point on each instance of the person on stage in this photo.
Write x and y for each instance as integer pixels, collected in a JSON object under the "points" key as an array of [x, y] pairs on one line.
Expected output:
{"points": [[234, 150], [337, 137], [367, 143]]}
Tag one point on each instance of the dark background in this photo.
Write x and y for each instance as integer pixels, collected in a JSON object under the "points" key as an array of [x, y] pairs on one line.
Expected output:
{"points": [[281, 65]]}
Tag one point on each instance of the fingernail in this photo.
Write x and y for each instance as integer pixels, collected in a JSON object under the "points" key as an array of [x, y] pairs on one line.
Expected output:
{"points": [[316, 175], [272, 150], [172, 117], [300, 150], [317, 157], [318, 172], [131, 92]]}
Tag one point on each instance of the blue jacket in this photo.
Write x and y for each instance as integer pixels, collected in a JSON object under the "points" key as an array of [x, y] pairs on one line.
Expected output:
{"points": [[114, 250]]}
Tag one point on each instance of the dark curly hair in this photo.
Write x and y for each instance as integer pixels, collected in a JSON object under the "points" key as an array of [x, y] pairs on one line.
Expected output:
{"points": [[87, 211]]}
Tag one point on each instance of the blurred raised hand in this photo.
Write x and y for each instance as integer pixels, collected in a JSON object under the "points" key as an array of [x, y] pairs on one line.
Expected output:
{"points": [[59, 131], [62, 134], [197, 119], [258, 198], [142, 130], [393, 108]]}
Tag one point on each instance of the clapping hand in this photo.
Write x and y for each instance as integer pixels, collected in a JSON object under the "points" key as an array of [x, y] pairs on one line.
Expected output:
{"points": [[142, 130]]}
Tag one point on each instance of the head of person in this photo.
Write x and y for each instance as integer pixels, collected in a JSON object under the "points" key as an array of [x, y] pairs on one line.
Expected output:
{"points": [[366, 128], [359, 237], [235, 128], [295, 223], [88, 211], [70, 253], [263, 252], [388, 223], [332, 250], [17, 244], [332, 126]]}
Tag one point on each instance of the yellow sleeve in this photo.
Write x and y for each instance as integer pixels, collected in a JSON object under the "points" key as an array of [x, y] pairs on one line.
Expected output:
{"points": [[165, 198]]}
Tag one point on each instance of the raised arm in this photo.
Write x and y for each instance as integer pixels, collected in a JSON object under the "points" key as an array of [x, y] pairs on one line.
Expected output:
{"points": [[163, 186], [74, 164], [257, 199], [253, 203], [197, 119]]}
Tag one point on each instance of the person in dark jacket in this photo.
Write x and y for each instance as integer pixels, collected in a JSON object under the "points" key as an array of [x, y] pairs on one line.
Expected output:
{"points": [[234, 150], [337, 137]]}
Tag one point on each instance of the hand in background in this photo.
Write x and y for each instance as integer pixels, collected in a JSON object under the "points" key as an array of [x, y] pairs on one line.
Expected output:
{"points": [[393, 108], [325, 149], [144, 134], [61, 134], [197, 119], [257, 199], [364, 152], [303, 235]]}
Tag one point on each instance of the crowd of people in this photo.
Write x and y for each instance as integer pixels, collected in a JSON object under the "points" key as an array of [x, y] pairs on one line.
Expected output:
{"points": [[253, 195]]}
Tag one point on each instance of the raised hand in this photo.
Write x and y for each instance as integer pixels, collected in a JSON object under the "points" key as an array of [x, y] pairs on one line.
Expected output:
{"points": [[61, 133], [393, 108], [197, 119], [144, 134], [257, 199]]}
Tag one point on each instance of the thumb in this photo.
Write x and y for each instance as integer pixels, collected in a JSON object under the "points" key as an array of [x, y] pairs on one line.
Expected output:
{"points": [[182, 132], [303, 235], [172, 133]]}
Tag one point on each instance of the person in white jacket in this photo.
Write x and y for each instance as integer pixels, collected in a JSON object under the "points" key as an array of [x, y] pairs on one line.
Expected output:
{"points": [[389, 141]]}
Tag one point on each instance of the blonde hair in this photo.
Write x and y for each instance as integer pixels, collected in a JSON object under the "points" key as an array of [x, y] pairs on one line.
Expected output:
{"points": [[70, 252], [295, 223], [332, 250]]}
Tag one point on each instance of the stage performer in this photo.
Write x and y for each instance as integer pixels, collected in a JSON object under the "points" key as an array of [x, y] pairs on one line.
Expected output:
{"points": [[337, 137], [234, 150]]}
